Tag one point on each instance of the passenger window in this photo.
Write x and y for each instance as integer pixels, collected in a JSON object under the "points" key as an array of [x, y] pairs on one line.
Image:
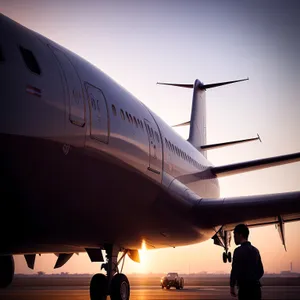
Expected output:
{"points": [[127, 115], [135, 122], [30, 60], [147, 129], [113, 108], [157, 137], [1, 55], [152, 133], [122, 114], [130, 117]]}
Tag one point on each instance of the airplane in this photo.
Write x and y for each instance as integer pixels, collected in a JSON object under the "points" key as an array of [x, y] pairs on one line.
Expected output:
{"points": [[87, 167]]}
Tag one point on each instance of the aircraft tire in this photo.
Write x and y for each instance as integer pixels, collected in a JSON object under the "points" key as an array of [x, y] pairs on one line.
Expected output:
{"points": [[120, 288], [98, 287], [224, 257], [229, 257], [7, 270]]}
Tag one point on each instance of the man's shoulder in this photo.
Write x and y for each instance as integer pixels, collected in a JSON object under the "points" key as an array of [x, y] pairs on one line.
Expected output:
{"points": [[243, 248], [237, 250], [253, 247]]}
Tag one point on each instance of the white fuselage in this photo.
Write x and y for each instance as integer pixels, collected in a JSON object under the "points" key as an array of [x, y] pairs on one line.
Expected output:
{"points": [[86, 158]]}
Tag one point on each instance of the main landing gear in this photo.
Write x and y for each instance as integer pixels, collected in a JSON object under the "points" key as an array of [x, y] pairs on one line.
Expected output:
{"points": [[222, 238], [7, 270], [113, 283], [227, 256]]}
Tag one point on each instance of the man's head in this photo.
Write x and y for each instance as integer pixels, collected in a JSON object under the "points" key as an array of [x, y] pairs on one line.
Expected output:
{"points": [[241, 233]]}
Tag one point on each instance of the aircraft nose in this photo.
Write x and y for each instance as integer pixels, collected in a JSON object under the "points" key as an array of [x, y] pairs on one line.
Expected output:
{"points": [[31, 91]]}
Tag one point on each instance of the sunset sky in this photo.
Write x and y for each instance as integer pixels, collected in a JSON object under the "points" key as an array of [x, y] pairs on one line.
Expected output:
{"points": [[139, 43]]}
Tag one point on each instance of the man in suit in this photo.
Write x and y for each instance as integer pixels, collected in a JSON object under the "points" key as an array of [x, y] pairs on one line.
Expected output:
{"points": [[247, 268]]}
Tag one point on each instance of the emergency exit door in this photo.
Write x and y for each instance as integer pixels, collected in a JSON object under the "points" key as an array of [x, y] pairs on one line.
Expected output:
{"points": [[155, 149], [73, 88], [98, 114]]}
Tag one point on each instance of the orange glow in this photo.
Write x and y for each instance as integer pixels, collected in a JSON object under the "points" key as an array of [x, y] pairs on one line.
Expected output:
{"points": [[143, 255]]}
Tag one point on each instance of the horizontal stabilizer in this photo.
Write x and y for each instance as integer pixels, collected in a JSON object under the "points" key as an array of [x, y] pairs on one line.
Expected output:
{"points": [[183, 85], [213, 85], [202, 86], [238, 168], [255, 164], [182, 124], [214, 146]]}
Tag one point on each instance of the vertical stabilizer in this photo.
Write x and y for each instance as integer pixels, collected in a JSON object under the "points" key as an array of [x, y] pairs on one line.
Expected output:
{"points": [[197, 136], [197, 123]]}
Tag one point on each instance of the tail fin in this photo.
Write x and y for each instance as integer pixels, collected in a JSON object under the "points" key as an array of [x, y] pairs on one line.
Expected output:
{"points": [[197, 136]]}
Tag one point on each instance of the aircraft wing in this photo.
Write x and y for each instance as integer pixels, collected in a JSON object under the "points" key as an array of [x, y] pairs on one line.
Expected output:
{"points": [[254, 210]]}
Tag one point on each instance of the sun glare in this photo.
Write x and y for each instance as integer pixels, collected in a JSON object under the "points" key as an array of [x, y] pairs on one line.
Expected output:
{"points": [[143, 255]]}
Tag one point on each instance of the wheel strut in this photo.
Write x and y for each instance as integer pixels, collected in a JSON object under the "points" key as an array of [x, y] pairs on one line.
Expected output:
{"points": [[114, 283]]}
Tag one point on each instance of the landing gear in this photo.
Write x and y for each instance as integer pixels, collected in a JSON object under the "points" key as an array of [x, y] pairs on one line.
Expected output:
{"points": [[7, 270], [98, 287], [114, 283], [227, 257], [120, 288], [222, 238]]}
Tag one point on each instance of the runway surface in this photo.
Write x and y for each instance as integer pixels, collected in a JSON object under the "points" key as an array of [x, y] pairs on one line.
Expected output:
{"points": [[143, 293]]}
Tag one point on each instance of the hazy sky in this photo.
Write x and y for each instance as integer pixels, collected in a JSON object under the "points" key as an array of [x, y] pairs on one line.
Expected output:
{"points": [[138, 43]]}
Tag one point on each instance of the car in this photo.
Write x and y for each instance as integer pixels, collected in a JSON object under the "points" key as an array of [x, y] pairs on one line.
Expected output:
{"points": [[172, 279]]}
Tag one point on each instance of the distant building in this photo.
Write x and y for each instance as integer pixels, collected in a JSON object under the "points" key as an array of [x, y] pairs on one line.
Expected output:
{"points": [[289, 274]]}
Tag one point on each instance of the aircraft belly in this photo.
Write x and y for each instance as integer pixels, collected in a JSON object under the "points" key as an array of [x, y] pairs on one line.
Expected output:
{"points": [[74, 198], [80, 200]]}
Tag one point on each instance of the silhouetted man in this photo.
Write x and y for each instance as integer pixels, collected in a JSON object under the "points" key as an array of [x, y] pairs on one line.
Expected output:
{"points": [[247, 268]]}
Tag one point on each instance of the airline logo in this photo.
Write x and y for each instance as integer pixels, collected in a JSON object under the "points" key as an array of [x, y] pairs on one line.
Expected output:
{"points": [[33, 91]]}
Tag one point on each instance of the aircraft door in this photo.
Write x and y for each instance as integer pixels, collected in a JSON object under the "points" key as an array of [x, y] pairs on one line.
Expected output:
{"points": [[74, 93], [98, 114], [155, 149]]}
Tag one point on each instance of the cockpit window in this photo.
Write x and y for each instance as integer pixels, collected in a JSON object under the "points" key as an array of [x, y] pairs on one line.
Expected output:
{"points": [[30, 60], [1, 55]]}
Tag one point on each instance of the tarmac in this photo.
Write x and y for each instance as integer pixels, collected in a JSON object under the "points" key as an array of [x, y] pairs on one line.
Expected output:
{"points": [[145, 293], [141, 289]]}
